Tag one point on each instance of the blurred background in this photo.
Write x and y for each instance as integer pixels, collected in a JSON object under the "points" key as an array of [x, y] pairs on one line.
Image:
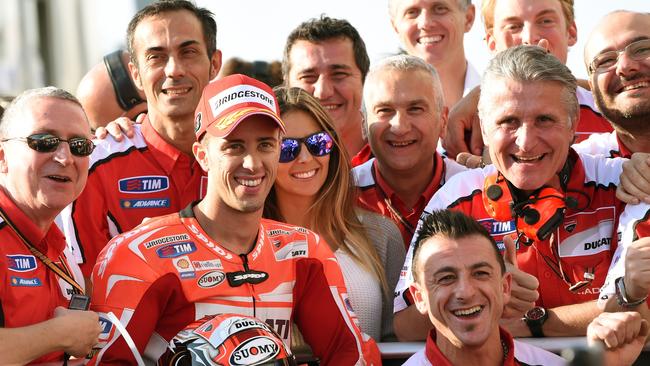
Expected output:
{"points": [[54, 42]]}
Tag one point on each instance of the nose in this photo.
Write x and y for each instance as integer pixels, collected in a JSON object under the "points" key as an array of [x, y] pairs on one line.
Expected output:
{"points": [[425, 19], [174, 69], [526, 137], [304, 155], [252, 161], [400, 124], [529, 35], [625, 65], [323, 88], [465, 288], [62, 154]]}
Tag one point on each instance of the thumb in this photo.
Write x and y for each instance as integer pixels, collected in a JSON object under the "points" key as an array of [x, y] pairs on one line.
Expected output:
{"points": [[644, 328], [511, 250]]}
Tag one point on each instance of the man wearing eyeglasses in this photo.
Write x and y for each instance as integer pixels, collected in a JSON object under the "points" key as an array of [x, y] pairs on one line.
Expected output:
{"points": [[44, 148], [561, 205], [173, 56]]}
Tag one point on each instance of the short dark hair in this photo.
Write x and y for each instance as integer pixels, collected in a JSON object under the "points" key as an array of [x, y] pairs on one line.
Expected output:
{"points": [[453, 225], [205, 16], [322, 29]]}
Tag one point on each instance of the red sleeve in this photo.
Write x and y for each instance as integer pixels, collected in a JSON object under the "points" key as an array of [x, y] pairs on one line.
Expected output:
{"points": [[87, 228], [325, 317]]}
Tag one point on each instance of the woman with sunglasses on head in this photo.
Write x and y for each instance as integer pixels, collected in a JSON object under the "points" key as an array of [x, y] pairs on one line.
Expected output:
{"points": [[314, 189]]}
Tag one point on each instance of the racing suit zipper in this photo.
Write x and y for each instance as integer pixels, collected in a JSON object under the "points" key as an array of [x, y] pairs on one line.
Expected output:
{"points": [[244, 259]]}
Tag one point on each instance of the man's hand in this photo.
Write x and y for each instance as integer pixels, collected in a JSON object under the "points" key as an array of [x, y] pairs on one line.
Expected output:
{"points": [[523, 293], [635, 180], [469, 160], [623, 335], [118, 128], [463, 117], [637, 269], [79, 330]]}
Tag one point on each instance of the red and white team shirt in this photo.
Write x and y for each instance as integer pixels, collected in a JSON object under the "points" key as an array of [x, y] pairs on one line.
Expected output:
{"points": [[127, 182], [584, 242], [606, 144], [591, 121], [376, 194], [524, 354], [30, 291], [167, 273]]}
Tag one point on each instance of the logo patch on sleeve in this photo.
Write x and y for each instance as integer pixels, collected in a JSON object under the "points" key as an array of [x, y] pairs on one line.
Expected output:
{"points": [[143, 184], [21, 263], [176, 249]]}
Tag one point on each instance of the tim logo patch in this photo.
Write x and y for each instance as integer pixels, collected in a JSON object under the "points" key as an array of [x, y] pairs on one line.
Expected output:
{"points": [[21, 263], [176, 250], [143, 184]]}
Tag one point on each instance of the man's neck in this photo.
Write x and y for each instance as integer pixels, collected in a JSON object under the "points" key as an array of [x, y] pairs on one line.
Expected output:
{"points": [[176, 132], [42, 218], [232, 229], [490, 353], [408, 185], [635, 142], [452, 73]]}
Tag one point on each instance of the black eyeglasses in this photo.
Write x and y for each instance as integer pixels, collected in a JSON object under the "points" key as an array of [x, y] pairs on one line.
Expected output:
{"points": [[318, 144], [605, 61], [47, 143]]}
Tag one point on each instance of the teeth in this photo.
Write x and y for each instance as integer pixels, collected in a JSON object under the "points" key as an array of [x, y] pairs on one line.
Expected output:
{"points": [[176, 91], [429, 39], [401, 143], [470, 311], [528, 158], [643, 84], [250, 182], [330, 107], [305, 175], [59, 178]]}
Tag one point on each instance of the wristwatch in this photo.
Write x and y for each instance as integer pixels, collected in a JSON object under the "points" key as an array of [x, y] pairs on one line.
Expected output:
{"points": [[621, 295], [534, 319]]}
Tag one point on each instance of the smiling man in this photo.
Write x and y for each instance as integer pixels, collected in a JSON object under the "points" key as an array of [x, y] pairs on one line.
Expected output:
{"points": [[562, 205], [173, 56], [327, 58], [434, 30], [219, 256]]}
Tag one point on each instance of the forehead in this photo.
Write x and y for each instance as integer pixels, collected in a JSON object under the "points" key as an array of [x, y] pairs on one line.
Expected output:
{"points": [[47, 114], [322, 56], [525, 9], [440, 251], [300, 123], [168, 29], [399, 86], [616, 31]]}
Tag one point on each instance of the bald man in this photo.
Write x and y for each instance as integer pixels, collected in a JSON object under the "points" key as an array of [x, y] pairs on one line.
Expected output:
{"points": [[99, 94]]}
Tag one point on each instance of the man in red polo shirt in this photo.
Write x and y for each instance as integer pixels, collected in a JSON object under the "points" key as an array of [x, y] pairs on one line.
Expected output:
{"points": [[173, 56], [405, 117], [44, 150]]}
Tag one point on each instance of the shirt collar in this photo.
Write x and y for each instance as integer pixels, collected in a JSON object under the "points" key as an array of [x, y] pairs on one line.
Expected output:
{"points": [[436, 357], [438, 167], [165, 154]]}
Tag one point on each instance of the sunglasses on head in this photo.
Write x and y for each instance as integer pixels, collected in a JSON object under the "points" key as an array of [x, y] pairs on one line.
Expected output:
{"points": [[47, 143], [318, 144]]}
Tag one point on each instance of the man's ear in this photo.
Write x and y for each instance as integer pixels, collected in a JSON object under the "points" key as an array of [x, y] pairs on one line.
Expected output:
{"points": [[572, 32], [507, 286], [4, 169], [135, 75], [201, 155], [491, 42], [420, 298], [470, 15], [444, 119], [215, 64]]}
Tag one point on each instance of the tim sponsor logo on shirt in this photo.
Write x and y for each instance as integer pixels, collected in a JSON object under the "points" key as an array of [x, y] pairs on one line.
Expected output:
{"points": [[25, 282], [176, 249], [145, 203], [21, 263], [499, 229], [143, 184]]}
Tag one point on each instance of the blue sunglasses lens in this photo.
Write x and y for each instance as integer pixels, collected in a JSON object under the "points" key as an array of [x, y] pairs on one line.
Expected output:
{"points": [[318, 144]]}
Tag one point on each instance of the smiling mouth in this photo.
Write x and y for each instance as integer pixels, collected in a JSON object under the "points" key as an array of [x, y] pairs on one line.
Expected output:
{"points": [[331, 107], [639, 85], [304, 175], [429, 40], [176, 91], [468, 313], [401, 143], [249, 182], [528, 159], [59, 178]]}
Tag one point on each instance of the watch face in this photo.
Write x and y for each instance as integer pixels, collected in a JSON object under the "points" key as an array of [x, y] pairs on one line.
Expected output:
{"points": [[535, 313]]}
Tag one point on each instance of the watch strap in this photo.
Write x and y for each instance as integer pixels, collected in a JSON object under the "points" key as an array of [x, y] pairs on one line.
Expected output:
{"points": [[621, 295]]}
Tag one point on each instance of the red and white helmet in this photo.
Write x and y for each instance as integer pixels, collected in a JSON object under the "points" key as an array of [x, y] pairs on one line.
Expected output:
{"points": [[227, 340]]}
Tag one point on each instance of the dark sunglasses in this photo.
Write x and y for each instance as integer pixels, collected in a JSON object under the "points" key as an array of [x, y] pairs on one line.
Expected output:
{"points": [[318, 144], [47, 143]]}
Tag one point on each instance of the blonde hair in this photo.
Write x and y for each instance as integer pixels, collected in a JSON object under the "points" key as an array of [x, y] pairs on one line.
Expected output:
{"points": [[333, 213], [487, 13]]}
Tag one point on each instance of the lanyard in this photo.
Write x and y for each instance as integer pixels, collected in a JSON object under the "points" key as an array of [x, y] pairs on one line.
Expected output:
{"points": [[389, 205], [64, 273]]}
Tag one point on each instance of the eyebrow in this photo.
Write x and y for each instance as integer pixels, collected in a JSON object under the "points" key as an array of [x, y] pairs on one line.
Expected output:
{"points": [[455, 270], [182, 45], [541, 13]]}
